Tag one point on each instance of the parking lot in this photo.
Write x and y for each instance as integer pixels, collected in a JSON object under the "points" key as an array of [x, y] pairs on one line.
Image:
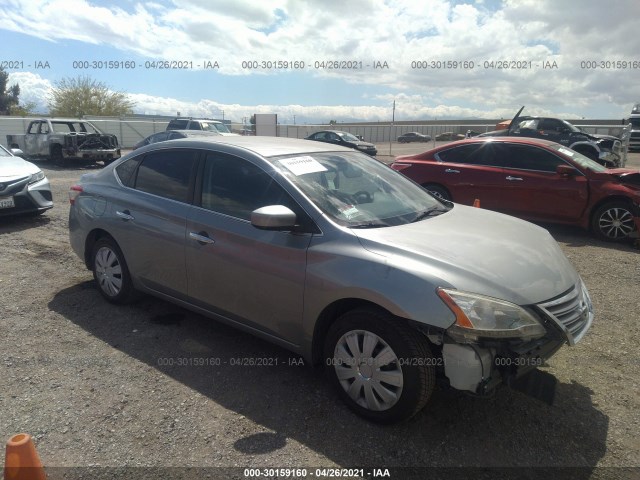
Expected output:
{"points": [[99, 385]]}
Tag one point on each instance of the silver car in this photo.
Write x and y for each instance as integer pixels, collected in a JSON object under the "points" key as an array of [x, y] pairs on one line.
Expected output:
{"points": [[24, 188], [335, 256]]}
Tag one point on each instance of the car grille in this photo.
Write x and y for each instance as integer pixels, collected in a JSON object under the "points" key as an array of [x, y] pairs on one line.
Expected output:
{"points": [[13, 187], [572, 312]]}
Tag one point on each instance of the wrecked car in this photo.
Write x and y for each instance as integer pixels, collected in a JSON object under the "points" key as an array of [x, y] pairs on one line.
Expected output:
{"points": [[605, 149], [60, 140]]}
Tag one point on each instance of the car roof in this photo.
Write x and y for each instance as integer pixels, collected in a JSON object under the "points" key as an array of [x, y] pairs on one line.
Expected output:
{"points": [[332, 131], [193, 133], [264, 146], [520, 140]]}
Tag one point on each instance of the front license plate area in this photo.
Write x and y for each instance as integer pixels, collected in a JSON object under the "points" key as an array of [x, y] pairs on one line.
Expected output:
{"points": [[7, 202]]}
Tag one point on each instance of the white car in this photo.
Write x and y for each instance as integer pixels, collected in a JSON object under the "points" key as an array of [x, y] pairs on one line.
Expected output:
{"points": [[24, 188]]}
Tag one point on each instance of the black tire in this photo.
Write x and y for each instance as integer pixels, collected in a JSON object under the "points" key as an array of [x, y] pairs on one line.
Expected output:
{"points": [[57, 157], [390, 392], [613, 221], [438, 191], [111, 273]]}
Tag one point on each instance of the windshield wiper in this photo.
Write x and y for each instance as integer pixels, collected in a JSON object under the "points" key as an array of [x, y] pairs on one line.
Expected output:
{"points": [[369, 225], [431, 212]]}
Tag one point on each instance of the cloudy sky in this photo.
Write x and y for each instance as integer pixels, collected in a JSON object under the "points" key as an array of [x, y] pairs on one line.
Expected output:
{"points": [[435, 58]]}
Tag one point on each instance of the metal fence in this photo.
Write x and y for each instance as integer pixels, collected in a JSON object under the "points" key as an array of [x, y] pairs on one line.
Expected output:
{"points": [[131, 130]]}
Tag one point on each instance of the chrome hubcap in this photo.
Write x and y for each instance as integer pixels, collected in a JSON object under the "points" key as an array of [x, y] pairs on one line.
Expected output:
{"points": [[368, 370], [616, 223], [108, 271]]}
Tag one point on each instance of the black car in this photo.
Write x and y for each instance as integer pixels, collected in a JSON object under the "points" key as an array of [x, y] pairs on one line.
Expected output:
{"points": [[413, 137], [344, 139], [172, 135], [604, 149]]}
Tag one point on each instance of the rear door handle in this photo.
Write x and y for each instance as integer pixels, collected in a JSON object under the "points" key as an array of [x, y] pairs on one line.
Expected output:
{"points": [[125, 215], [510, 178], [202, 238], [451, 170]]}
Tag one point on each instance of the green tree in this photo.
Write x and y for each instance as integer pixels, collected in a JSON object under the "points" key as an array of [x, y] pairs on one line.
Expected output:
{"points": [[8, 95], [24, 110], [75, 97]]}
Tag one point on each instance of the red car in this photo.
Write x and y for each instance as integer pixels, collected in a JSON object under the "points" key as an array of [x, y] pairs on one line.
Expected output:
{"points": [[533, 179]]}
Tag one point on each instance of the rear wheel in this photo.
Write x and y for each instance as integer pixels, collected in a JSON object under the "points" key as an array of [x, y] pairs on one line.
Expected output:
{"points": [[438, 191], [110, 272], [613, 221], [382, 369]]}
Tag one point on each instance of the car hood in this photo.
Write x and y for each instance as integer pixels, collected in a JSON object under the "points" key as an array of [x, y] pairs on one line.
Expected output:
{"points": [[15, 167], [601, 136], [362, 144], [478, 251], [625, 175]]}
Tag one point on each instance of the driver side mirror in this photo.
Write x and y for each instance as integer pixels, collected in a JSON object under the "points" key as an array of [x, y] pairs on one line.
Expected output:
{"points": [[17, 152], [273, 217], [566, 170]]}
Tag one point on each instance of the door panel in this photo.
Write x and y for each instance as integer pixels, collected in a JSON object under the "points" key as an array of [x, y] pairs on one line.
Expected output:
{"points": [[150, 220], [470, 172], [532, 188], [247, 274]]}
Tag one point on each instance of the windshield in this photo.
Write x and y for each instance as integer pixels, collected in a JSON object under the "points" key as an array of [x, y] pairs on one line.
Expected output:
{"points": [[579, 158], [571, 127], [4, 152], [215, 127], [348, 137], [357, 191]]}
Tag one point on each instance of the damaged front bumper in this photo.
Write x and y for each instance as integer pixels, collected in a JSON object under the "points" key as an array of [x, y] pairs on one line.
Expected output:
{"points": [[94, 153], [480, 367]]}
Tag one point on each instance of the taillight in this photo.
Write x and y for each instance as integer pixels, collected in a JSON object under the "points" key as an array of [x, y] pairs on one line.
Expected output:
{"points": [[74, 191]]}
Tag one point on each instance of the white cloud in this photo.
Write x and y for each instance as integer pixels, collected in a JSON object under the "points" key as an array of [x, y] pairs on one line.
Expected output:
{"points": [[398, 31]]}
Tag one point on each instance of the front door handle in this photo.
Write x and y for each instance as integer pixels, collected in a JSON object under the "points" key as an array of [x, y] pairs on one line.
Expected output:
{"points": [[510, 178], [451, 170], [125, 215], [202, 238]]}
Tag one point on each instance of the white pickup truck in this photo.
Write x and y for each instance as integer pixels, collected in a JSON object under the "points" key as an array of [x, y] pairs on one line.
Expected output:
{"points": [[66, 139]]}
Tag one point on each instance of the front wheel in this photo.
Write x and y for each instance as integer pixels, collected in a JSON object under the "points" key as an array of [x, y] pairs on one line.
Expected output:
{"points": [[437, 191], [382, 369], [613, 221], [110, 272]]}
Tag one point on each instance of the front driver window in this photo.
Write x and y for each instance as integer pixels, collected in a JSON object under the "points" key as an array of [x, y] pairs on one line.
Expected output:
{"points": [[235, 187]]}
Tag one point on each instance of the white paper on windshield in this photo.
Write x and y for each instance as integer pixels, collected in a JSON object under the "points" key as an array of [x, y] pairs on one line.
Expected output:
{"points": [[566, 152], [301, 165]]}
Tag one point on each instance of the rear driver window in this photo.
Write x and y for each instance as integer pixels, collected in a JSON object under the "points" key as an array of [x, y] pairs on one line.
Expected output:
{"points": [[167, 174]]}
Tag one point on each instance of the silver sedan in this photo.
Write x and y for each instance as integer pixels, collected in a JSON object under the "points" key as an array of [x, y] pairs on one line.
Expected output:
{"points": [[335, 256], [24, 188]]}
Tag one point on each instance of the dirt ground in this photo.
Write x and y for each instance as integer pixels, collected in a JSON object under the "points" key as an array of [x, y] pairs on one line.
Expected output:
{"points": [[153, 385]]}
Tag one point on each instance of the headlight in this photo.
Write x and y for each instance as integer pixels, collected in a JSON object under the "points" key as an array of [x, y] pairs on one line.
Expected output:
{"points": [[36, 177], [478, 316]]}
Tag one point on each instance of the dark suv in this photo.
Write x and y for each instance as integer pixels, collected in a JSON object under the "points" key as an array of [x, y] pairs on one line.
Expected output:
{"points": [[604, 149], [203, 124]]}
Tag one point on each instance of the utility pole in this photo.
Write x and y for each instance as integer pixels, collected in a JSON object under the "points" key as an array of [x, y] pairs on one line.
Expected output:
{"points": [[393, 119]]}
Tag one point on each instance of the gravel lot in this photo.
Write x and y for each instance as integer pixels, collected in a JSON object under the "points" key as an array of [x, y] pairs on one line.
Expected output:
{"points": [[100, 385]]}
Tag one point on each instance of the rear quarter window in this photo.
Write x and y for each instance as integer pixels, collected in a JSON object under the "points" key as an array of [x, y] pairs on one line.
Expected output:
{"points": [[167, 173]]}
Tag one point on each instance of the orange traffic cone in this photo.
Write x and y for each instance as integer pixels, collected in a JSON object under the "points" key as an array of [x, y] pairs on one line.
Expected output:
{"points": [[22, 461], [476, 203]]}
